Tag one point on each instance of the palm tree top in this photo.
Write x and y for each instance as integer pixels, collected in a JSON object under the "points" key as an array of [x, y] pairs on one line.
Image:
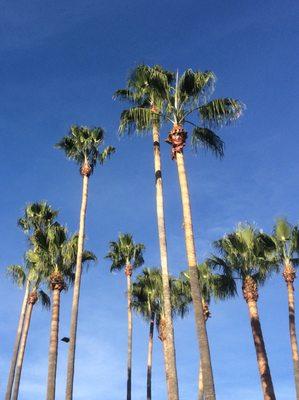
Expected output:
{"points": [[124, 252], [245, 252], [37, 216], [286, 238], [82, 145]]}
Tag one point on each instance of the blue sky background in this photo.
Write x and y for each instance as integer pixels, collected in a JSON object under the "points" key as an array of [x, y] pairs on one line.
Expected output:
{"points": [[60, 64]]}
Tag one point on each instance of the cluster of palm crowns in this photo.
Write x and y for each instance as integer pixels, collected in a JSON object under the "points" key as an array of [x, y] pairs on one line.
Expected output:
{"points": [[54, 259]]}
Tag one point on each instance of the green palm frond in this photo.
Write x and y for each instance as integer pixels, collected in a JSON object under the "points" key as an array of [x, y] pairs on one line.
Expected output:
{"points": [[106, 154], [136, 119], [220, 112], [37, 216], [193, 84], [204, 137], [44, 299], [17, 274]]}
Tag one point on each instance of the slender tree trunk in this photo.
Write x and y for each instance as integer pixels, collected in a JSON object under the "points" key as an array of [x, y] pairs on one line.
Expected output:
{"points": [[289, 275], [53, 348], [172, 384], [130, 331], [205, 356], [32, 298], [200, 384], [17, 344], [76, 294], [251, 296], [150, 359]]}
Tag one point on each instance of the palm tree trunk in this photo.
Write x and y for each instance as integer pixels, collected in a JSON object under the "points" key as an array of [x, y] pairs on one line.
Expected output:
{"points": [[200, 384], [261, 354], [32, 298], [17, 344], [130, 331], [53, 348], [205, 356], [293, 337], [76, 294], [150, 359], [172, 384]]}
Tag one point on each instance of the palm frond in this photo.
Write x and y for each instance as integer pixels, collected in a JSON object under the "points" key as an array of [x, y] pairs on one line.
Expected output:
{"points": [[204, 137], [220, 112], [106, 154], [17, 274], [136, 119], [44, 299]]}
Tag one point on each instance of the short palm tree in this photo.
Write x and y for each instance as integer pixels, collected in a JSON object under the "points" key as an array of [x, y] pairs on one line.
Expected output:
{"points": [[213, 285], [33, 277], [147, 300], [286, 238], [81, 145], [249, 255], [56, 255], [37, 216], [186, 103], [127, 255], [147, 88]]}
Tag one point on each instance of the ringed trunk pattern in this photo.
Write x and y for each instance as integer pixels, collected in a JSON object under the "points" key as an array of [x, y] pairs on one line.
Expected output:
{"points": [[150, 359], [177, 139], [169, 345], [32, 299], [207, 315], [128, 272], [57, 285], [85, 171], [250, 294], [289, 275], [17, 344]]}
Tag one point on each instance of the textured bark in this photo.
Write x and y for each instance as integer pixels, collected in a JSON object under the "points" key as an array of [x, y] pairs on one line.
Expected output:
{"points": [[169, 344], [289, 275], [76, 294], [17, 344], [130, 332], [205, 356], [32, 298], [53, 348], [200, 384], [150, 359], [251, 295]]}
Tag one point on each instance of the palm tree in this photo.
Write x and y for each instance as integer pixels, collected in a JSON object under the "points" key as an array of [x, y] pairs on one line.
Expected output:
{"points": [[147, 88], [249, 255], [55, 254], [217, 286], [34, 277], [187, 101], [286, 238], [147, 300], [81, 145], [37, 216], [126, 254]]}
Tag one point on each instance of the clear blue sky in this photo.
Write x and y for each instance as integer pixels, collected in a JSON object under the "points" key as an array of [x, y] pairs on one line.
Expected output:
{"points": [[60, 64]]}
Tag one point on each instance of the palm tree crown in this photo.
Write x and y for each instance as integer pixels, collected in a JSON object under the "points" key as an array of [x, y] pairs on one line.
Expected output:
{"points": [[37, 216], [82, 146], [286, 239]]}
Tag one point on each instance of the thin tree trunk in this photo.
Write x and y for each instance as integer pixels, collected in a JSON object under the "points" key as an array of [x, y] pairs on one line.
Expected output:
{"points": [[17, 344], [130, 330], [200, 384], [172, 384], [261, 354], [53, 348], [22, 347], [150, 359], [293, 336], [76, 294], [205, 356]]}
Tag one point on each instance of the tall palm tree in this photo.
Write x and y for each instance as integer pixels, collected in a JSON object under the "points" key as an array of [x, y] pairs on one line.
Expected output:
{"points": [[186, 103], [81, 145], [37, 216], [249, 255], [147, 300], [34, 277], [56, 255], [127, 255], [286, 238], [147, 88], [213, 285]]}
